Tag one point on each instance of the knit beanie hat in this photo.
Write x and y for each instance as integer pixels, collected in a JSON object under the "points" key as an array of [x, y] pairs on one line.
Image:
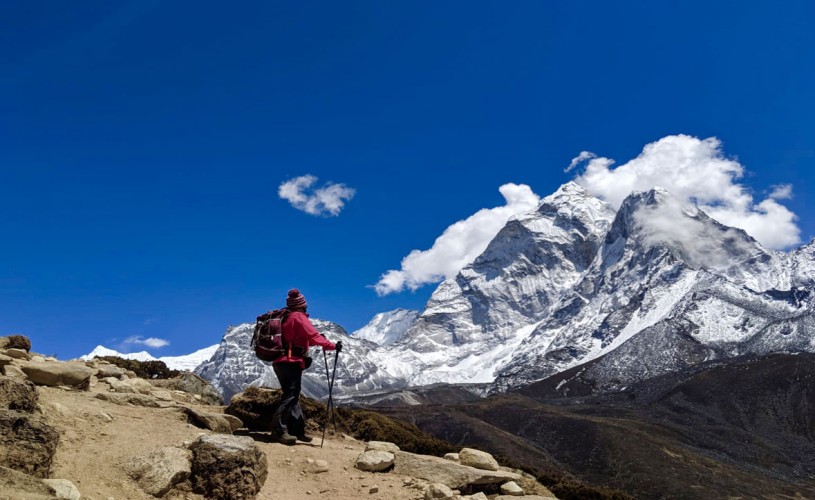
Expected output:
{"points": [[295, 300]]}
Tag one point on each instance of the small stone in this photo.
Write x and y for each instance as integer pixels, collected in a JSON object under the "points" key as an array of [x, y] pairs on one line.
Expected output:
{"points": [[320, 466], [512, 489], [373, 489], [438, 490], [309, 461], [452, 457], [104, 417], [478, 496], [64, 489]]}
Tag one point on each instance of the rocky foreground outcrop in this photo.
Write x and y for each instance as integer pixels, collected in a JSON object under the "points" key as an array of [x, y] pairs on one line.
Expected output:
{"points": [[114, 435]]}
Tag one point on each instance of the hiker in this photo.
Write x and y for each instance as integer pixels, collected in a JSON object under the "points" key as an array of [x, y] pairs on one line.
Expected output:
{"points": [[289, 424]]}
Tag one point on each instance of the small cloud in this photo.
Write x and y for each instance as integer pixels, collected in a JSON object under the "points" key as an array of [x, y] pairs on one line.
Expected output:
{"points": [[577, 160], [458, 245], [328, 200], [153, 342], [781, 192]]}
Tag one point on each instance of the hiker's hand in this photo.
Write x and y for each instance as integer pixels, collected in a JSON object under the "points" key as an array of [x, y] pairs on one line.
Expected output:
{"points": [[339, 346]]}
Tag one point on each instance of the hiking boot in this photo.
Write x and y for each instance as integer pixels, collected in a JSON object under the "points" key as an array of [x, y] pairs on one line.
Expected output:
{"points": [[304, 438], [285, 438]]}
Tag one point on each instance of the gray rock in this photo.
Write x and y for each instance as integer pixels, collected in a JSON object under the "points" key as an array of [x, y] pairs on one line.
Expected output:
{"points": [[216, 422], [381, 446], [108, 370], [478, 459], [374, 460], [63, 489], [452, 457], [119, 386], [157, 472], [15, 484], [438, 490], [18, 354], [227, 467], [234, 421], [192, 384], [16, 394], [478, 496], [319, 466], [14, 371], [5, 360], [27, 443], [511, 488], [451, 474], [58, 373], [129, 399]]}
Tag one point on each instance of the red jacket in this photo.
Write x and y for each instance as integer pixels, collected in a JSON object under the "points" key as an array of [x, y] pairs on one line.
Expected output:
{"points": [[299, 331]]}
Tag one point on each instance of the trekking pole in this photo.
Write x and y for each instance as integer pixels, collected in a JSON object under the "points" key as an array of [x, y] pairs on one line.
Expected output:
{"points": [[331, 390], [328, 404]]}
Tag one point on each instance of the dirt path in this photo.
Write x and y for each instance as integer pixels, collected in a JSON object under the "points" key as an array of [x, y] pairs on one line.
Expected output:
{"points": [[97, 436]]}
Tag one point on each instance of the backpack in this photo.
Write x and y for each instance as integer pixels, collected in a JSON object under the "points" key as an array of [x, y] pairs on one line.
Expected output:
{"points": [[267, 340]]}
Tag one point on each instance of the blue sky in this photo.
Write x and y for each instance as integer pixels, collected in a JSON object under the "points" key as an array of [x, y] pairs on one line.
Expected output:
{"points": [[143, 144]]}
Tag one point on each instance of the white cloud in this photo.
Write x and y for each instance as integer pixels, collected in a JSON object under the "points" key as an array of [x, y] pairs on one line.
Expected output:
{"points": [[459, 244], [696, 172], [679, 225], [149, 342], [326, 200], [781, 192], [577, 160]]}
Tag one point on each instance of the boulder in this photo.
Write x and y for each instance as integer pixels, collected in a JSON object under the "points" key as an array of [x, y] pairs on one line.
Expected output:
{"points": [[58, 373], [157, 472], [381, 446], [438, 490], [14, 371], [129, 399], [451, 474], [478, 496], [16, 394], [27, 443], [18, 354], [106, 370], [227, 467], [64, 489], [41, 359], [478, 459], [216, 422], [512, 489], [374, 461], [192, 384], [119, 386], [15, 484], [15, 342], [5, 360]]}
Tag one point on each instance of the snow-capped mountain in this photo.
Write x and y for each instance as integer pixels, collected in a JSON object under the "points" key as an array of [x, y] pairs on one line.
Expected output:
{"points": [[640, 291], [234, 365], [387, 328], [185, 362]]}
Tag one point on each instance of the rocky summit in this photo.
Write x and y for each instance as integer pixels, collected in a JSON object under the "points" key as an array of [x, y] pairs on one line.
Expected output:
{"points": [[647, 289]]}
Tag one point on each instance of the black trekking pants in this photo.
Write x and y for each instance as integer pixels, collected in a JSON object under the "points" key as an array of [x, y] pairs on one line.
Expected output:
{"points": [[289, 416]]}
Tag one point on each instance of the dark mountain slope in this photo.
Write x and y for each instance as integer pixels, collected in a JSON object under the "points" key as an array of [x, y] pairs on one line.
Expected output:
{"points": [[737, 428]]}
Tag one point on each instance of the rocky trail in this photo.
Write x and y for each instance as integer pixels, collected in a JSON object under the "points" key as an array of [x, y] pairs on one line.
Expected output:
{"points": [[92, 430]]}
